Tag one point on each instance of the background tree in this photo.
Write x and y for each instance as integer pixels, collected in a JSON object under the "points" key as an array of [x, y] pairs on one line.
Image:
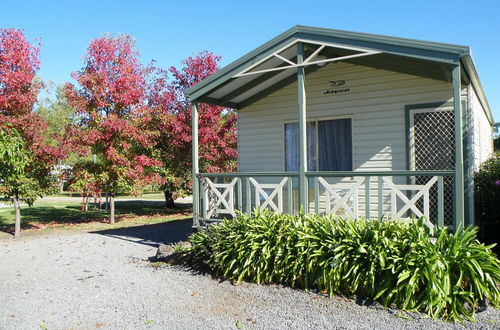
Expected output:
{"points": [[22, 130], [56, 111], [217, 127], [113, 117], [53, 107]]}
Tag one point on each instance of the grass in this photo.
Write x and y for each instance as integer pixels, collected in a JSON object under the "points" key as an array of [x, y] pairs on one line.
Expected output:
{"points": [[64, 213]]}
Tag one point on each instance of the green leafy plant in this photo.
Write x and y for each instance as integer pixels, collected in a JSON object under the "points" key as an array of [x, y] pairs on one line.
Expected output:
{"points": [[487, 197], [400, 264]]}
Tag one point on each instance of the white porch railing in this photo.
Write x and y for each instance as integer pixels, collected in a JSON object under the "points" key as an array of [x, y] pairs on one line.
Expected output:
{"points": [[373, 194]]}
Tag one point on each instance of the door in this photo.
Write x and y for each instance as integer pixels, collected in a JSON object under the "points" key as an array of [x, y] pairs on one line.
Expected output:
{"points": [[432, 141]]}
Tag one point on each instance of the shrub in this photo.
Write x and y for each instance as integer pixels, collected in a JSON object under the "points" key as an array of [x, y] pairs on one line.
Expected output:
{"points": [[402, 264], [487, 201]]}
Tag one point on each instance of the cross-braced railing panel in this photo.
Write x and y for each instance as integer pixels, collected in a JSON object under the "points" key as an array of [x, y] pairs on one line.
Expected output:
{"points": [[417, 193], [265, 195], [351, 194], [339, 198], [219, 197]]}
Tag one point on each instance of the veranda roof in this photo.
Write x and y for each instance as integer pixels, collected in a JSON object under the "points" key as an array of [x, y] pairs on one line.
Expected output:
{"points": [[274, 64]]}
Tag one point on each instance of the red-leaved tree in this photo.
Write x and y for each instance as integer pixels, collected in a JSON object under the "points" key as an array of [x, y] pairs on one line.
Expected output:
{"points": [[22, 129], [114, 117], [217, 127]]}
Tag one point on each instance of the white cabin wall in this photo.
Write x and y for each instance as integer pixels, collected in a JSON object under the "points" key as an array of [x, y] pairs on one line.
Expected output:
{"points": [[482, 131], [376, 103]]}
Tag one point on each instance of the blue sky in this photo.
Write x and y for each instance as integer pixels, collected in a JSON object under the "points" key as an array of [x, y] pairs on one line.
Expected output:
{"points": [[169, 31]]}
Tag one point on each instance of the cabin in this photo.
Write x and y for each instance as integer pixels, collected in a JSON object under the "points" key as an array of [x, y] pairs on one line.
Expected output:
{"points": [[349, 124]]}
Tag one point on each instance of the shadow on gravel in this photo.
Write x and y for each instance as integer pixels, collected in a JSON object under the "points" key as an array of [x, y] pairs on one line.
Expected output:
{"points": [[152, 235]]}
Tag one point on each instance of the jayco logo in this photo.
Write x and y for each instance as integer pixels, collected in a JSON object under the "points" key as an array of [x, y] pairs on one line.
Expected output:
{"points": [[337, 83]]}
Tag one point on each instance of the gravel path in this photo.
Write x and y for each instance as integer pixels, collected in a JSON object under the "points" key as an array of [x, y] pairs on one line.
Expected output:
{"points": [[104, 280]]}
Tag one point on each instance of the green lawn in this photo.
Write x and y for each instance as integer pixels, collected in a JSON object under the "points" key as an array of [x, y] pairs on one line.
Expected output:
{"points": [[64, 213], [146, 195]]}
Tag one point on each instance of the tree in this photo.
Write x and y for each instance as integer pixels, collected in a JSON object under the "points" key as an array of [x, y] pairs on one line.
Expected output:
{"points": [[13, 161], [56, 112], [28, 175], [217, 127], [113, 118]]}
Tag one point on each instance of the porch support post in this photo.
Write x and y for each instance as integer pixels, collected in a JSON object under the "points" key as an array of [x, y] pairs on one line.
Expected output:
{"points": [[459, 156], [195, 169], [301, 89]]}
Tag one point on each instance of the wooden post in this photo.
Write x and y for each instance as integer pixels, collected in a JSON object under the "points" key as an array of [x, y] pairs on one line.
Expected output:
{"points": [[195, 169], [301, 90], [459, 155]]}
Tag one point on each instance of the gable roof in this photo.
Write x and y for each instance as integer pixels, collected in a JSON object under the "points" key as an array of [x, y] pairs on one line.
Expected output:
{"points": [[250, 76]]}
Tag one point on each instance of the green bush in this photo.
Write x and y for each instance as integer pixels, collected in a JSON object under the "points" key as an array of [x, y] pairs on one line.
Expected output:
{"points": [[399, 264], [487, 201]]}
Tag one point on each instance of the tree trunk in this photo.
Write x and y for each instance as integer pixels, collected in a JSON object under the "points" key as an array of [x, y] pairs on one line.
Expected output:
{"points": [[111, 208], [169, 199], [17, 231]]}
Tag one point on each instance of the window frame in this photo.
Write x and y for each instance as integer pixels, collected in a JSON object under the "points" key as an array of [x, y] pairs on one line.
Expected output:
{"points": [[317, 119]]}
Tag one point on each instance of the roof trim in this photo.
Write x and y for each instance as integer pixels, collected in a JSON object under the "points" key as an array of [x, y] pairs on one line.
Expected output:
{"points": [[478, 87], [397, 45], [425, 50]]}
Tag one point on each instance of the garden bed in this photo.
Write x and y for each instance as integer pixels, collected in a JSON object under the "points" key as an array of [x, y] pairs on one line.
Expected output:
{"points": [[406, 265]]}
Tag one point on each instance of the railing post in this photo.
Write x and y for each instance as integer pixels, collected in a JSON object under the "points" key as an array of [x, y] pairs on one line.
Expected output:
{"points": [[380, 197], [290, 195], [367, 197], [316, 195], [301, 90], [205, 199], [195, 168], [440, 202], [239, 194], [248, 196], [459, 157]]}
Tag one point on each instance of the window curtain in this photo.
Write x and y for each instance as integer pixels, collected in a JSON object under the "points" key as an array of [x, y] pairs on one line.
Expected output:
{"points": [[335, 145], [292, 147]]}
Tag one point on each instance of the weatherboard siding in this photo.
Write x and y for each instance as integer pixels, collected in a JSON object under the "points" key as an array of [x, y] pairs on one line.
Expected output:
{"points": [[375, 102], [482, 139]]}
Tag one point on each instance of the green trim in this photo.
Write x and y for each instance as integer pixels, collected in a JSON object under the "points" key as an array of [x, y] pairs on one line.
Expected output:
{"points": [[277, 86], [269, 90], [226, 74], [222, 103], [253, 83], [407, 49], [195, 165], [470, 68], [328, 174], [459, 160], [425, 50], [301, 99], [399, 46], [468, 178]]}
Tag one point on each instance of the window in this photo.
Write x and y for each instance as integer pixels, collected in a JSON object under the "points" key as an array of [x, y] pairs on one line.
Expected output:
{"points": [[329, 145]]}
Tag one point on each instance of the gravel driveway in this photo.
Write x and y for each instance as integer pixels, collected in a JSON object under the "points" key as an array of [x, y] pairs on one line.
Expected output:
{"points": [[104, 280]]}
